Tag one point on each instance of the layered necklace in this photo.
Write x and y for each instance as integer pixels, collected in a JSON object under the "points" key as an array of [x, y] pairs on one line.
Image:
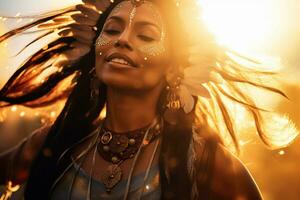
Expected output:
{"points": [[118, 147]]}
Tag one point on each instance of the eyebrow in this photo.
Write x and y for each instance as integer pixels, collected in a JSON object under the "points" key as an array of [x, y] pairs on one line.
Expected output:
{"points": [[140, 23], [147, 23], [119, 19]]}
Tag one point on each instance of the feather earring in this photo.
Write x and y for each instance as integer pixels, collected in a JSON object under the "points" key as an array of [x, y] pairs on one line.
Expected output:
{"points": [[173, 101]]}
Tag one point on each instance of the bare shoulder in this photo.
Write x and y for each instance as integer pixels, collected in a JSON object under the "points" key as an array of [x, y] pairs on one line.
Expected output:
{"points": [[231, 179]]}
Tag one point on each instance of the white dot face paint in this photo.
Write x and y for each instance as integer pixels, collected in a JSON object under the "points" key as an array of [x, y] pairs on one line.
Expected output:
{"points": [[140, 32], [132, 15], [102, 40], [155, 48]]}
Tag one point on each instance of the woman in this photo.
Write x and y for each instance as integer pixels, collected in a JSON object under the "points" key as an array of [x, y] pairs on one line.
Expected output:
{"points": [[131, 58]]}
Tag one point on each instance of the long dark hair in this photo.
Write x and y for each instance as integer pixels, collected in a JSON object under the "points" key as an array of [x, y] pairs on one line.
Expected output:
{"points": [[73, 123], [76, 119]]}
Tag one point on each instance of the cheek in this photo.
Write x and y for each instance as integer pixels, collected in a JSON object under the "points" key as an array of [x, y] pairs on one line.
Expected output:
{"points": [[101, 51], [153, 50], [155, 69], [103, 45], [152, 77]]}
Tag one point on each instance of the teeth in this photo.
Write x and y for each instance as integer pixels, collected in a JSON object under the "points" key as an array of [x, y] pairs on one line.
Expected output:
{"points": [[120, 61]]}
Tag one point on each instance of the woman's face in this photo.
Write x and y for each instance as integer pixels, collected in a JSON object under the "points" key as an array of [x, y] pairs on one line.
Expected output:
{"points": [[132, 51]]}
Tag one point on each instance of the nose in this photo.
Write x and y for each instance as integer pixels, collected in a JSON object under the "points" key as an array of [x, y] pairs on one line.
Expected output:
{"points": [[123, 41]]}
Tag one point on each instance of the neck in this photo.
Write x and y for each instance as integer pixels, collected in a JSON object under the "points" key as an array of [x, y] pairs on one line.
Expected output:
{"points": [[126, 111]]}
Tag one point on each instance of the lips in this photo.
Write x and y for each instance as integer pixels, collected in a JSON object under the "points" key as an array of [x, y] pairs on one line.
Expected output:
{"points": [[120, 59]]}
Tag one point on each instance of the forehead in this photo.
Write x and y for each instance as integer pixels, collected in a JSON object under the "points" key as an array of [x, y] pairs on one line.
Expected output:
{"points": [[145, 12]]}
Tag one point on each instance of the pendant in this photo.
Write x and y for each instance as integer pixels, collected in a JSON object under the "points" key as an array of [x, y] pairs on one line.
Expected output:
{"points": [[111, 177]]}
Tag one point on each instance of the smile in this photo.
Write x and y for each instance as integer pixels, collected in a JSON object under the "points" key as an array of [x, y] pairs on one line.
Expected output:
{"points": [[120, 59]]}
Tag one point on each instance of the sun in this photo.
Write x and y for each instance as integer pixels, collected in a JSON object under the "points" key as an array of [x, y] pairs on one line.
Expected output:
{"points": [[241, 25]]}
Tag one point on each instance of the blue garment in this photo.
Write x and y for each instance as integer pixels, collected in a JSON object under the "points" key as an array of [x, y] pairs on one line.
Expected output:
{"points": [[79, 190]]}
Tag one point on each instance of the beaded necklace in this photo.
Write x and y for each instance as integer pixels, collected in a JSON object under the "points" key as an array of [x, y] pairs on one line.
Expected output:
{"points": [[118, 147]]}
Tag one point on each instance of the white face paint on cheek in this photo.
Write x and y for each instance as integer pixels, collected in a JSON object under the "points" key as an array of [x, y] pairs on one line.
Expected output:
{"points": [[102, 41], [156, 48]]}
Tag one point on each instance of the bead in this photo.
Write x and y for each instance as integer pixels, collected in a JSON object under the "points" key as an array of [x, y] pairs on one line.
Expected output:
{"points": [[106, 137], [157, 127], [106, 148], [137, 2], [168, 87], [145, 58], [145, 142], [131, 141], [114, 159], [100, 53]]}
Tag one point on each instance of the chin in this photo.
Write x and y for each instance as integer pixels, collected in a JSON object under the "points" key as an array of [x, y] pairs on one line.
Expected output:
{"points": [[129, 80], [129, 85], [121, 82]]}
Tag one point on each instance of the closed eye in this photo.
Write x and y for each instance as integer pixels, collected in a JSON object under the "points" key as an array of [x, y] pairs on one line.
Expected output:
{"points": [[146, 38], [112, 31]]}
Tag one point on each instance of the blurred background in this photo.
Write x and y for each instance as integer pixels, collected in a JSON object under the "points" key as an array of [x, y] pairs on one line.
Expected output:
{"points": [[268, 30]]}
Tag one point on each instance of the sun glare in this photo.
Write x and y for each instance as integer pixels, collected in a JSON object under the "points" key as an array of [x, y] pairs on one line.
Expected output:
{"points": [[240, 24]]}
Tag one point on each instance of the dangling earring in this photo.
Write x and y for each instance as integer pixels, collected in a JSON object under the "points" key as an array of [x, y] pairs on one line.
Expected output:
{"points": [[94, 85], [173, 104]]}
